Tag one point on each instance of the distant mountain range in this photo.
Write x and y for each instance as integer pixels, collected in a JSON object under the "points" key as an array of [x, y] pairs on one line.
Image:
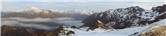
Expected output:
{"points": [[34, 12]]}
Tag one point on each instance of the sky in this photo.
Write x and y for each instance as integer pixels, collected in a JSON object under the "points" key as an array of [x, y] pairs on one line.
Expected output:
{"points": [[21, 4], [85, 0]]}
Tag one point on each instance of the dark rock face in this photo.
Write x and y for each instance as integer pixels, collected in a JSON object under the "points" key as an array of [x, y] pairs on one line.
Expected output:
{"points": [[122, 18], [163, 16], [160, 9], [158, 18]]}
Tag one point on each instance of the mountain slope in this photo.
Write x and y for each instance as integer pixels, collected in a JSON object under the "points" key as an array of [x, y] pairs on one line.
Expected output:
{"points": [[125, 17]]}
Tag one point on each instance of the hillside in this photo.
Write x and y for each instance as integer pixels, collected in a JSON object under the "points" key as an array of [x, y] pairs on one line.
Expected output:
{"points": [[125, 17]]}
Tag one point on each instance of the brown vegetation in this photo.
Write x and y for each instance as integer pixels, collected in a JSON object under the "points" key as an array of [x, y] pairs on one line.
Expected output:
{"points": [[20, 31], [155, 31]]}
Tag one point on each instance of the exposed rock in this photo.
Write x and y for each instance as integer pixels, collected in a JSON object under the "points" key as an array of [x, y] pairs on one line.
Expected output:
{"points": [[70, 33], [160, 9], [160, 17], [73, 27], [97, 25], [122, 18]]}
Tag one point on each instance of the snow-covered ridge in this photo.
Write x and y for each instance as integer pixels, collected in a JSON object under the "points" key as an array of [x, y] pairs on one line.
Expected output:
{"points": [[126, 17]]}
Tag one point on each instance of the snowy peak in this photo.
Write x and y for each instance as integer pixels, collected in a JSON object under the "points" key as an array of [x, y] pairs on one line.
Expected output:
{"points": [[36, 10]]}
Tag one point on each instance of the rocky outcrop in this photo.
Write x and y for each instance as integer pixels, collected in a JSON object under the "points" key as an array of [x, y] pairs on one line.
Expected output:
{"points": [[24, 31], [124, 17], [160, 9]]}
